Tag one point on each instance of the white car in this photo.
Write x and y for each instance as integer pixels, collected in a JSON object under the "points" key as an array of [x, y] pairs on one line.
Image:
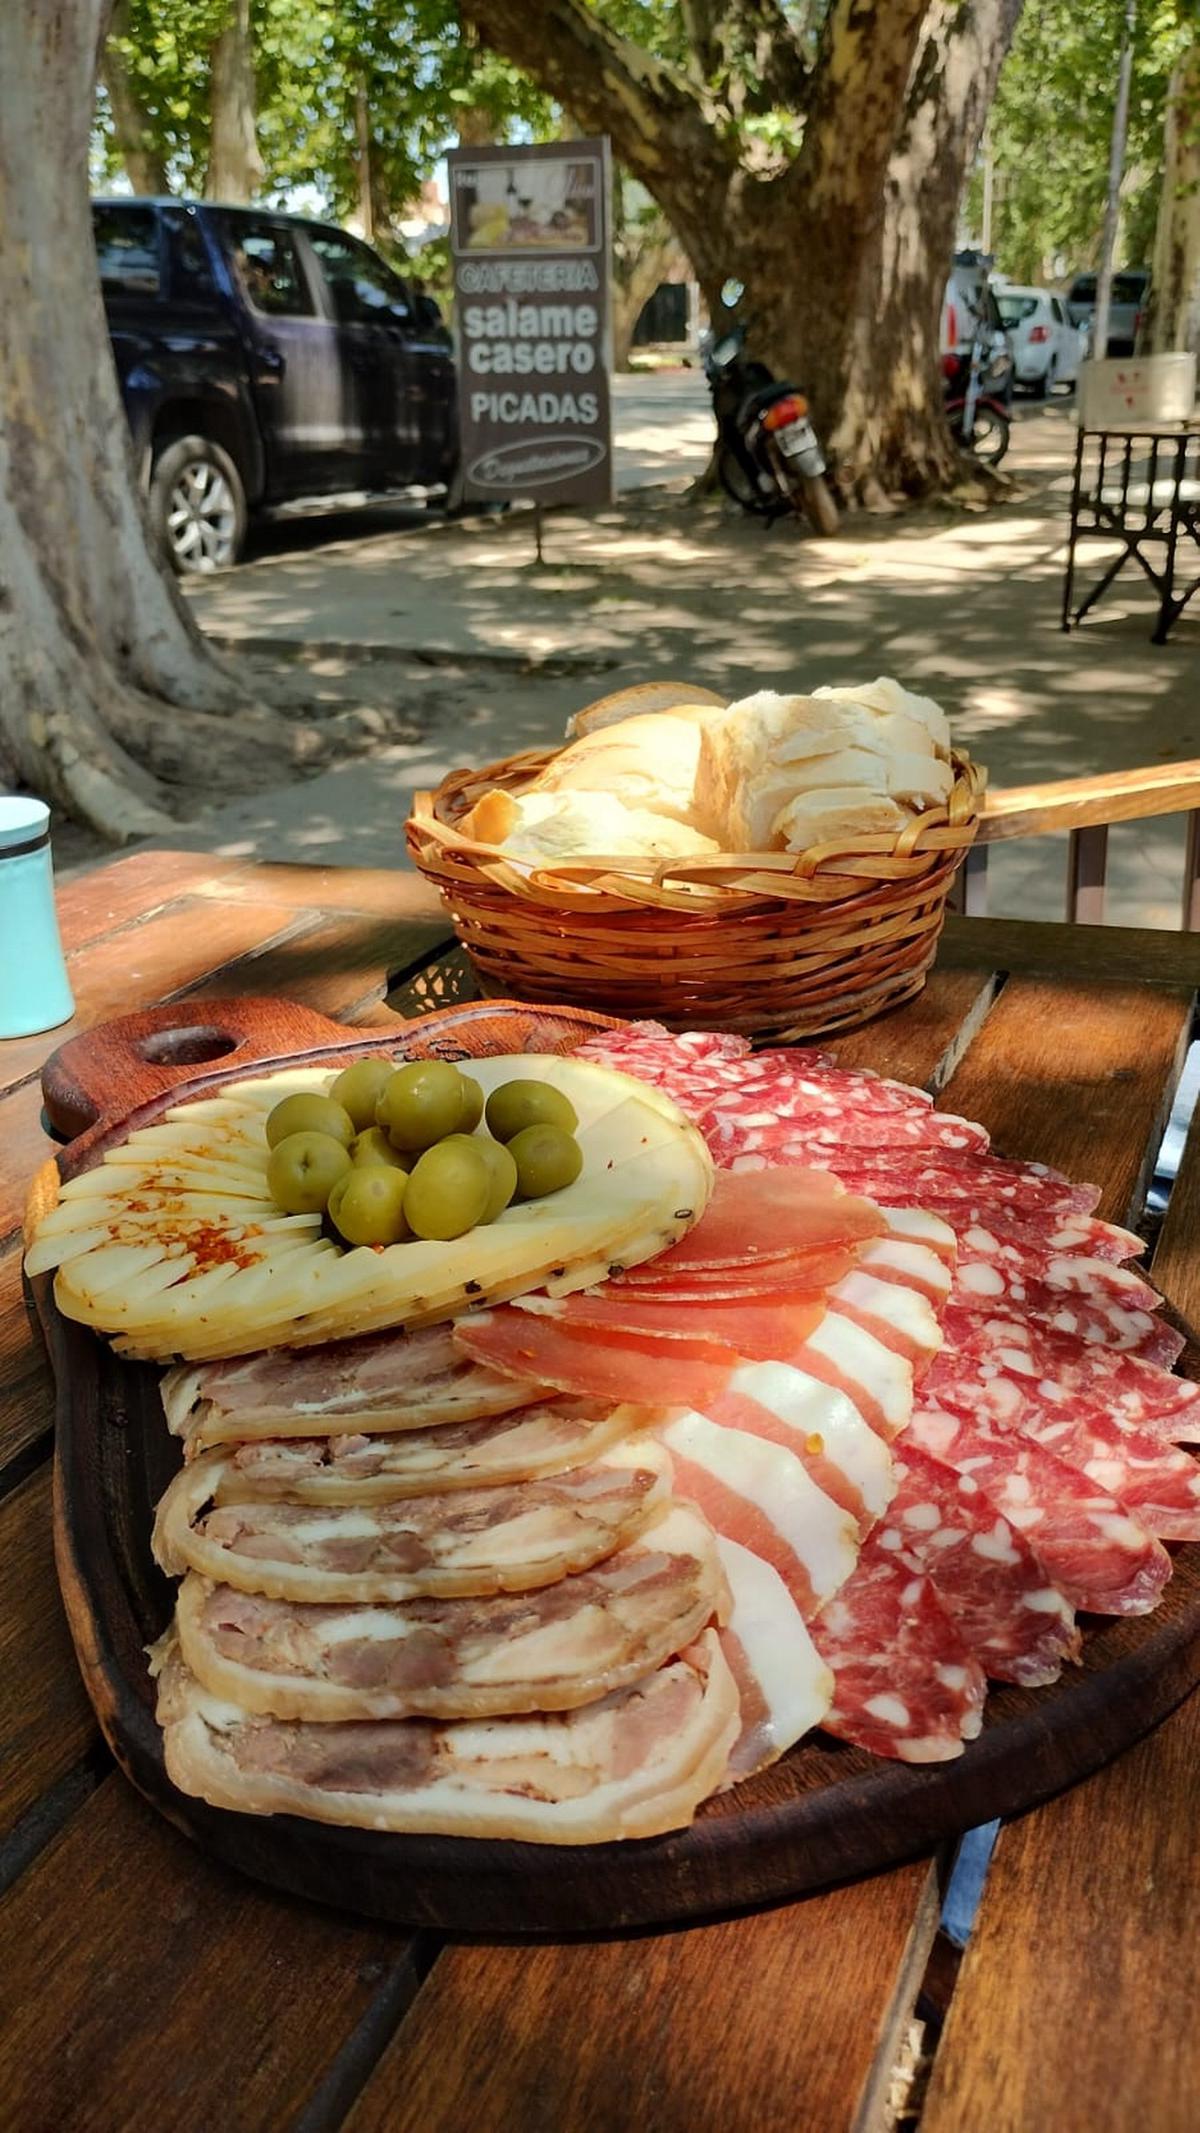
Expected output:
{"points": [[1047, 348]]}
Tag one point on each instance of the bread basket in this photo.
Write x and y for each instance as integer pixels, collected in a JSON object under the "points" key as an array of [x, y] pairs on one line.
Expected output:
{"points": [[771, 944]]}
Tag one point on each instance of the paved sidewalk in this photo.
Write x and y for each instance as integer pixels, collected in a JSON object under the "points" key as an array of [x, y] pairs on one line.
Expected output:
{"points": [[491, 652]]}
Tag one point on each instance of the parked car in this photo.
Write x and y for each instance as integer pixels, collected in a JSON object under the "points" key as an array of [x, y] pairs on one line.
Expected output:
{"points": [[971, 319], [1130, 289], [264, 358], [1047, 348]]}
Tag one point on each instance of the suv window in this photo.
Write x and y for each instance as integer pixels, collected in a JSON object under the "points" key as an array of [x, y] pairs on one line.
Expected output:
{"points": [[127, 249], [191, 274], [363, 290], [1129, 288], [268, 267], [1082, 289]]}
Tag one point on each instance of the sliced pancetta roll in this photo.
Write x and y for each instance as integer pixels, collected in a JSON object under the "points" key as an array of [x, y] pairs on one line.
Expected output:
{"points": [[470, 1542], [548, 1438], [389, 1381], [784, 1685], [634, 1764], [550, 1650]]}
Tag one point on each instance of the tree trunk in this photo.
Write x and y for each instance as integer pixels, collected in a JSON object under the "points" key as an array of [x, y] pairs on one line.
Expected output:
{"points": [[145, 164], [235, 168], [109, 696], [648, 259], [892, 114], [891, 433], [1173, 308]]}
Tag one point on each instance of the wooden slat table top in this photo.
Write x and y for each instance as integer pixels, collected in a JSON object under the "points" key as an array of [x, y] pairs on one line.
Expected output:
{"points": [[144, 1985]]}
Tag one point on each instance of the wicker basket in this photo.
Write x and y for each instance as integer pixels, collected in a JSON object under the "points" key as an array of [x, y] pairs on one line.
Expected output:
{"points": [[767, 943]]}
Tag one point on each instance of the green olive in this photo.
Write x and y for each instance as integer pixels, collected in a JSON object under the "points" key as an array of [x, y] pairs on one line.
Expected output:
{"points": [[366, 1206], [547, 1158], [501, 1168], [448, 1189], [373, 1146], [303, 1170], [309, 1114], [472, 1104], [421, 1104], [517, 1104], [358, 1089]]}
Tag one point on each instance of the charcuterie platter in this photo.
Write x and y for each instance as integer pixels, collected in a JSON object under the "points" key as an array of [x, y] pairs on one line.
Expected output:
{"points": [[829, 1806]]}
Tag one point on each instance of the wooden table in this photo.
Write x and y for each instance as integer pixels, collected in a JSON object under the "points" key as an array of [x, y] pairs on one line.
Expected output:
{"points": [[145, 1989]]}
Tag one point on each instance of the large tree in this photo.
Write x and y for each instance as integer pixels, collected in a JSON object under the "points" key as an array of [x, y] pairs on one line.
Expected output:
{"points": [[1173, 310], [822, 168], [110, 699]]}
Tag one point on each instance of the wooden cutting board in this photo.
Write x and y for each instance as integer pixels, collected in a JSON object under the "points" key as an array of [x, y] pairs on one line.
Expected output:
{"points": [[823, 1813]]}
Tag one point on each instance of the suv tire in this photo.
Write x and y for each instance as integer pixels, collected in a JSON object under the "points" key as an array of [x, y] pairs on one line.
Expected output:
{"points": [[198, 505]]}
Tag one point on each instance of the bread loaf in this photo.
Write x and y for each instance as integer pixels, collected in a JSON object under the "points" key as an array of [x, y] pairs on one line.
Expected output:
{"points": [[541, 826], [649, 762]]}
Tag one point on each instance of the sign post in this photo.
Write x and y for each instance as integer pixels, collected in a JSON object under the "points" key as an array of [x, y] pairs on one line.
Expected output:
{"points": [[530, 236]]}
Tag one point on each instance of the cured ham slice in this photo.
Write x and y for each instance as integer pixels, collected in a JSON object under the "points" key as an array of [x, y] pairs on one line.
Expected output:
{"points": [[634, 1764], [760, 1330], [905, 1683], [543, 1351], [751, 1220], [784, 1686], [1067, 1371], [798, 1276], [1100, 1558], [389, 1381], [898, 1316], [986, 1575], [550, 1650], [874, 1376], [472, 1542], [761, 1494], [1156, 1481], [548, 1437], [845, 1456], [911, 1265]]}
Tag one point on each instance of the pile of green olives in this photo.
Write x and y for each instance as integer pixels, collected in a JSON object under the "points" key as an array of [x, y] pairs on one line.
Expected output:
{"points": [[396, 1152]]}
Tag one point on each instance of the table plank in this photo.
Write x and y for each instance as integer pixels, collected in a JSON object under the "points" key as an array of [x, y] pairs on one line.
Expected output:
{"points": [[146, 1988], [122, 891], [342, 965], [1124, 954], [786, 2019], [26, 1395], [1075, 2006], [46, 1721], [923, 1041], [24, 1144], [1079, 1076], [399, 893]]}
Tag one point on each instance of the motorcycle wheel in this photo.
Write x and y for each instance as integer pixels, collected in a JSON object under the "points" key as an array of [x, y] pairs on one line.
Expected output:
{"points": [[737, 483], [989, 439], [819, 507]]}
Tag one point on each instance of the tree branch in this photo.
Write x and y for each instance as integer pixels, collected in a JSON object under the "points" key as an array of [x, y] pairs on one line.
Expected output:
{"points": [[748, 54], [610, 84]]}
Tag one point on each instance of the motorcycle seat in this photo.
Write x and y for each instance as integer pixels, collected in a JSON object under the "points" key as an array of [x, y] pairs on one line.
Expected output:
{"points": [[764, 396]]}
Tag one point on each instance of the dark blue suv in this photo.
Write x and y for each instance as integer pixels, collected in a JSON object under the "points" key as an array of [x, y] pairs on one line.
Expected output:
{"points": [[264, 358]]}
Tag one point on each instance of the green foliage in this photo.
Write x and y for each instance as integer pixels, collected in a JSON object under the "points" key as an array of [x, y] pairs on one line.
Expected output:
{"points": [[1050, 127], [420, 71]]}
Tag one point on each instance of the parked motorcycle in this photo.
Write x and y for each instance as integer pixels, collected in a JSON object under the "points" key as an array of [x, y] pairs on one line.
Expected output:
{"points": [[975, 409], [768, 456]]}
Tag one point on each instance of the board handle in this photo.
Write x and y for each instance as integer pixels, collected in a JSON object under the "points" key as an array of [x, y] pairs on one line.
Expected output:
{"points": [[108, 1071]]}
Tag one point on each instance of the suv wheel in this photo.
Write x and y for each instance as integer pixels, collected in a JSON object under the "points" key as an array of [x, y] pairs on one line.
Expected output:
{"points": [[198, 505]]}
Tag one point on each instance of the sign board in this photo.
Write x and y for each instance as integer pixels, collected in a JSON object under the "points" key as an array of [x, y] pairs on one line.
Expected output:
{"points": [[530, 236]]}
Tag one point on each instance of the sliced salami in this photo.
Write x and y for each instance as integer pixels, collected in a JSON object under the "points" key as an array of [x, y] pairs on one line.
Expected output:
{"points": [[1069, 1372], [986, 1575], [1092, 1321], [736, 1139], [975, 1188], [1040, 1279], [987, 1231], [905, 1683], [1157, 1482], [1098, 1556]]}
